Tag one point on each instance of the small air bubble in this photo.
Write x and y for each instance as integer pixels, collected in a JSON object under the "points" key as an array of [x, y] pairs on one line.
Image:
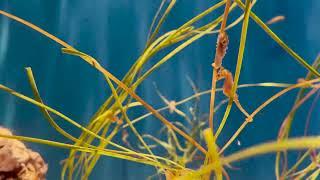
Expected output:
{"points": [[238, 143]]}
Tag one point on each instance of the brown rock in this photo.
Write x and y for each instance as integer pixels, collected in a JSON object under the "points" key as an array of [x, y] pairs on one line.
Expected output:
{"points": [[19, 162]]}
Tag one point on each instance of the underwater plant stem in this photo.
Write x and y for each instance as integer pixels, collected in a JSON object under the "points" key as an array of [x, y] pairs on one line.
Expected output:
{"points": [[308, 118], [300, 95], [96, 156], [161, 21], [231, 25], [225, 16], [269, 147], [155, 18], [124, 113], [129, 77], [296, 165], [282, 132], [106, 73], [263, 105], [4, 88], [104, 152], [281, 93], [46, 114], [103, 112], [238, 66], [302, 173], [196, 95], [279, 41], [151, 109], [202, 14], [291, 144], [213, 154], [222, 45], [291, 114], [195, 19], [36, 28], [83, 160], [212, 98], [174, 52], [314, 175]]}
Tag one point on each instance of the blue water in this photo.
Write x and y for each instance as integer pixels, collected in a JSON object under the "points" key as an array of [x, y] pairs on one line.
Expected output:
{"points": [[115, 32]]}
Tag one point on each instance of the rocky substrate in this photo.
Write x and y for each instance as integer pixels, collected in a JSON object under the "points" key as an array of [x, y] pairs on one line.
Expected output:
{"points": [[19, 162]]}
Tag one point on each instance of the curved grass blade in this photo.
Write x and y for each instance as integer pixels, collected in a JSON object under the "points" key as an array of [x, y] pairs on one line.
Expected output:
{"points": [[279, 41]]}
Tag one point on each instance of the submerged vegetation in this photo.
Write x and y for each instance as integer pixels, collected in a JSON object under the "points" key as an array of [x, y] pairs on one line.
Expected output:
{"points": [[191, 148]]}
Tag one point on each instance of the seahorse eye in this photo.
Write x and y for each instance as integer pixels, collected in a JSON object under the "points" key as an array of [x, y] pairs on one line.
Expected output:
{"points": [[225, 41]]}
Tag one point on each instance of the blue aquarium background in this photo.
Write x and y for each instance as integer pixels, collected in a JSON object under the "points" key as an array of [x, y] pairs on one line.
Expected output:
{"points": [[115, 33]]}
